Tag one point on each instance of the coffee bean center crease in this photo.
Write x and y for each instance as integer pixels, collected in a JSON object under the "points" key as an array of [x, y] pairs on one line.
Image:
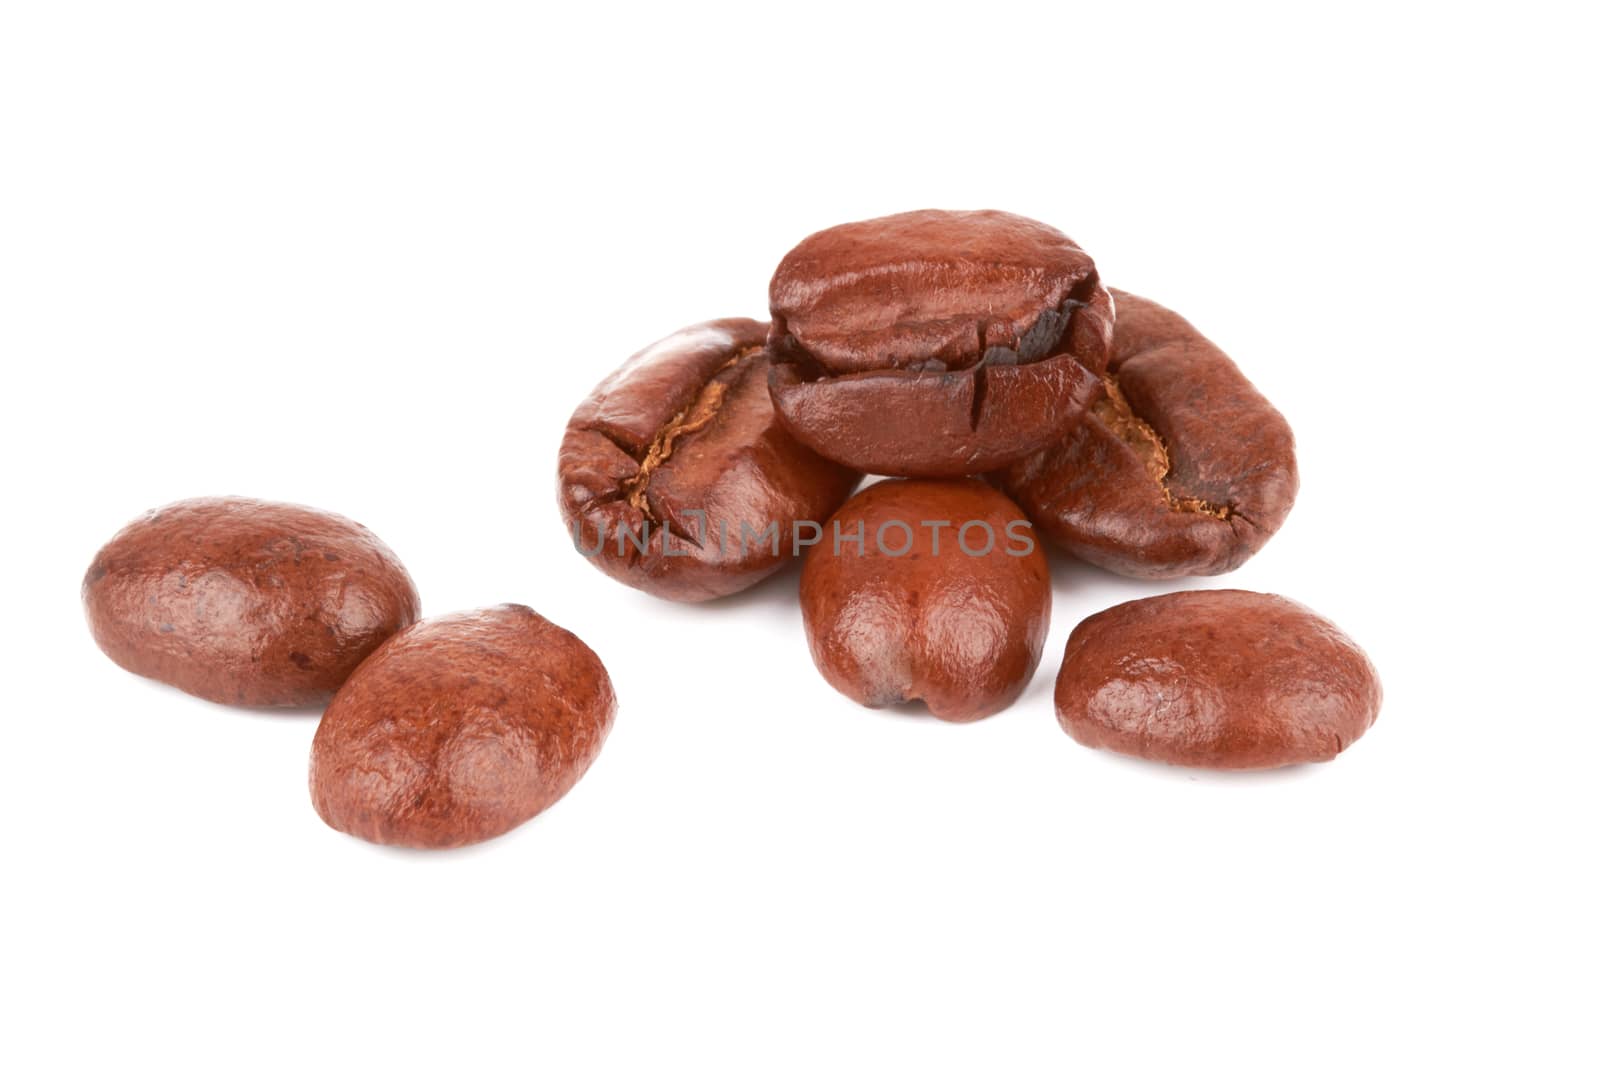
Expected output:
{"points": [[1119, 417], [697, 416]]}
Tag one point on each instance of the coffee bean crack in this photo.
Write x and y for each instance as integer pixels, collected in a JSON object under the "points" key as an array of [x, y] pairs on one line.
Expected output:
{"points": [[1045, 339], [695, 417], [1118, 416]]}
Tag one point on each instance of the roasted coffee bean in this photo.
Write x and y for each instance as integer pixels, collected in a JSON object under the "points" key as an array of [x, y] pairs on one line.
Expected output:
{"points": [[676, 477], [936, 342], [927, 590], [244, 601], [459, 729], [1216, 678], [1181, 468]]}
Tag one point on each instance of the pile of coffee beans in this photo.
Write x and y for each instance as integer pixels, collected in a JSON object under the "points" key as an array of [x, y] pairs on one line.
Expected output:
{"points": [[973, 359], [977, 361]]}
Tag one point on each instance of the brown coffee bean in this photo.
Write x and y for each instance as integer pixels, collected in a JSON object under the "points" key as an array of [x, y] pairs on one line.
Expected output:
{"points": [[675, 476], [1181, 468], [927, 590], [459, 729], [246, 602], [1216, 678], [936, 342]]}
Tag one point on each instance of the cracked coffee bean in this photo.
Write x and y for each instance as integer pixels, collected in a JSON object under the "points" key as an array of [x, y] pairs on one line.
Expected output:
{"points": [[246, 602], [460, 728], [927, 590], [936, 342], [675, 476], [1216, 678], [1182, 468]]}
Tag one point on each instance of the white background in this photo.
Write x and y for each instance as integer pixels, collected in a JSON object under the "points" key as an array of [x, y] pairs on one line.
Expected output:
{"points": [[368, 258]]}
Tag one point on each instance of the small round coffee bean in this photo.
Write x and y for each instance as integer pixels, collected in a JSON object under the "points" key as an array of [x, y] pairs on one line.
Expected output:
{"points": [[1216, 678], [246, 602], [460, 728], [927, 590]]}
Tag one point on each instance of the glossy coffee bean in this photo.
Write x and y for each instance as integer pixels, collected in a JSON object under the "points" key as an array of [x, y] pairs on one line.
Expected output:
{"points": [[246, 602], [1216, 678], [1182, 468], [675, 476], [927, 590], [936, 342], [460, 728]]}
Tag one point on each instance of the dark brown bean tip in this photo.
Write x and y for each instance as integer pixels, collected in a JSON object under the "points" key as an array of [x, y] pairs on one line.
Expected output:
{"points": [[1180, 468], [246, 602], [927, 590], [936, 343], [676, 477], [460, 728], [1217, 678]]}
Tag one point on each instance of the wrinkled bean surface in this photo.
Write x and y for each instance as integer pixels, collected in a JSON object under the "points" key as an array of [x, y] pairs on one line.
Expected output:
{"points": [[459, 729], [1182, 468], [936, 342], [675, 469], [1216, 678], [246, 602]]}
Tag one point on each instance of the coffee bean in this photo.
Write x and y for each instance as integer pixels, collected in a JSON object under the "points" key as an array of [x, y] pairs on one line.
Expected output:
{"points": [[936, 342], [1181, 468], [459, 729], [675, 476], [1216, 678], [244, 601], [927, 590]]}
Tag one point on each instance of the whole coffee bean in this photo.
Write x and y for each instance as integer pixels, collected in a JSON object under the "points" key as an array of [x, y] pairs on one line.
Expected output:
{"points": [[675, 476], [1181, 468], [1216, 678], [936, 342], [460, 728], [246, 602], [927, 590]]}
